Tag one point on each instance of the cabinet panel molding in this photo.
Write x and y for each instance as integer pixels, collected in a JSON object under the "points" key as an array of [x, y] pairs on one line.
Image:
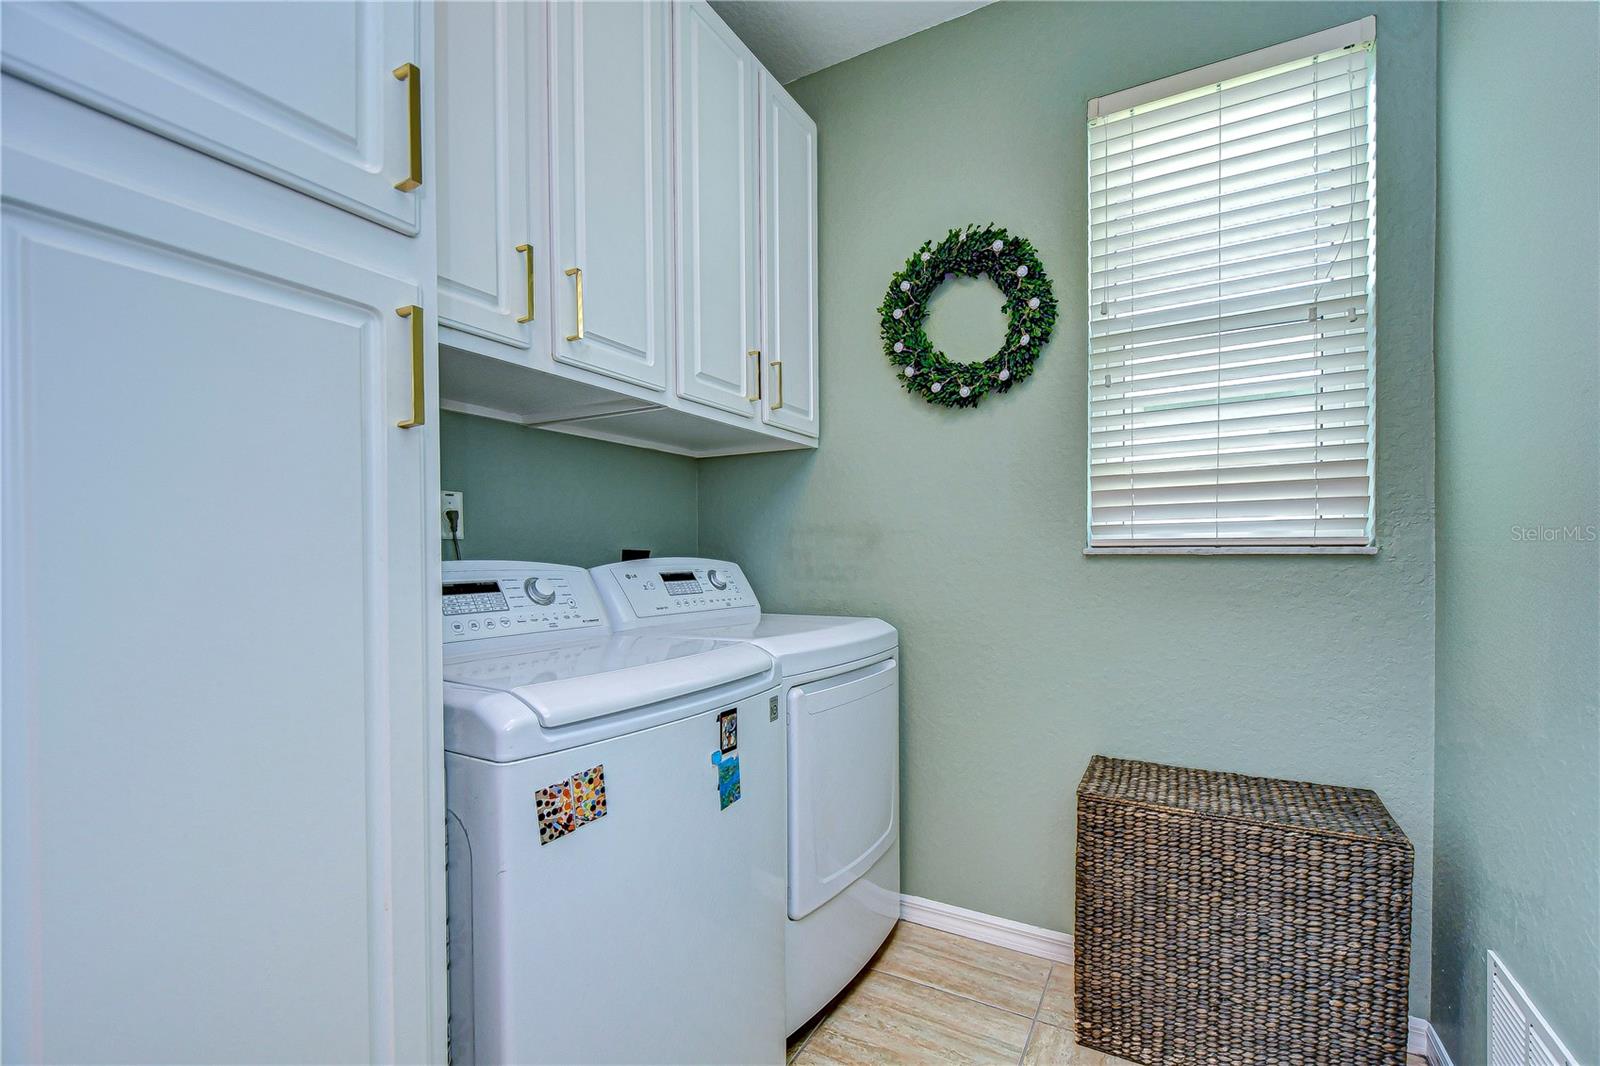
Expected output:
{"points": [[492, 171], [302, 94], [789, 262], [202, 719], [608, 67], [718, 314]]}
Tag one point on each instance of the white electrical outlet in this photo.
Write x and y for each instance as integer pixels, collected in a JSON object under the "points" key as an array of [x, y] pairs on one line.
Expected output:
{"points": [[452, 501]]}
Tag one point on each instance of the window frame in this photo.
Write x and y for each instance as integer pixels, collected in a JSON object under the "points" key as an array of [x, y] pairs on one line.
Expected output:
{"points": [[1360, 33]]}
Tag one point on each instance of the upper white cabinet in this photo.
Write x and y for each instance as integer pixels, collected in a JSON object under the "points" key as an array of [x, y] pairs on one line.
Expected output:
{"points": [[716, 95], [223, 764], [607, 64], [789, 257], [628, 228], [493, 256], [305, 94]]}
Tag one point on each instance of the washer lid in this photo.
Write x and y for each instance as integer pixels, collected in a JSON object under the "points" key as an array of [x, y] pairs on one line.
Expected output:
{"points": [[566, 683], [805, 642]]}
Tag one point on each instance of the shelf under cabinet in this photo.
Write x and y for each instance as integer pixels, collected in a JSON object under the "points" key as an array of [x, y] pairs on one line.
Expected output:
{"points": [[477, 384]]}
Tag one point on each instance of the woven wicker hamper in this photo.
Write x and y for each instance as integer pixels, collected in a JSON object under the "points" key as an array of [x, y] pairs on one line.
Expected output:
{"points": [[1224, 919]]}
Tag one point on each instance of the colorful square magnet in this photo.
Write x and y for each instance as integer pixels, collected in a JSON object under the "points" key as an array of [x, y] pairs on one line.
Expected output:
{"points": [[557, 817], [569, 805], [728, 730], [589, 794]]}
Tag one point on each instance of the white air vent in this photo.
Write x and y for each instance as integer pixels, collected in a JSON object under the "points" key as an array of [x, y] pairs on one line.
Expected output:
{"points": [[1518, 1033]]}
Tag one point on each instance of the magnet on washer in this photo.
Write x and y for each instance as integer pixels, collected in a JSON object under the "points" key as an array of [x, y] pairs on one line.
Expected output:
{"points": [[554, 806], [589, 794], [727, 778]]}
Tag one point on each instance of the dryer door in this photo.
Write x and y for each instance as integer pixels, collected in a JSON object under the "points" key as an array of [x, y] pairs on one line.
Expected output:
{"points": [[844, 780]]}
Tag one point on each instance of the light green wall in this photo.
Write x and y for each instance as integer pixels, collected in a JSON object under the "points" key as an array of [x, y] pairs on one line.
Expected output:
{"points": [[533, 494], [1517, 808], [1022, 657]]}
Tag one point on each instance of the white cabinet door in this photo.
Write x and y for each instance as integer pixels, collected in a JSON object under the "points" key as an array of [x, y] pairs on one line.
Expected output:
{"points": [[491, 169], [219, 662], [789, 261], [716, 94], [608, 198], [302, 93]]}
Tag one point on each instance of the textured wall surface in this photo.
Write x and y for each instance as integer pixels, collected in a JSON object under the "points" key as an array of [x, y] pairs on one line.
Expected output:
{"points": [[1518, 758], [553, 498], [1022, 657]]}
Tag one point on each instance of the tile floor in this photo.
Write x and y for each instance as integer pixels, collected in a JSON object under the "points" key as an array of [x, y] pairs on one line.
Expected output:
{"points": [[931, 996]]}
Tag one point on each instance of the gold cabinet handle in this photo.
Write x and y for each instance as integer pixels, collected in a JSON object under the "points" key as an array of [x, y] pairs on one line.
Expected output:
{"points": [[755, 353], [528, 250], [408, 73], [577, 272], [419, 402], [777, 389]]}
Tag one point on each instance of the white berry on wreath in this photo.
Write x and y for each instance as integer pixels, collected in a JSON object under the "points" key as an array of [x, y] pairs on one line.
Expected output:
{"points": [[899, 347], [965, 392], [926, 256], [1022, 271], [1033, 304], [1024, 339], [898, 313], [935, 387], [911, 371], [1005, 375], [997, 246]]}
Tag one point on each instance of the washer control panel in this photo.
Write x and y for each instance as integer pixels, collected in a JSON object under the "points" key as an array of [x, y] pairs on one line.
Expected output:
{"points": [[646, 589], [494, 599]]}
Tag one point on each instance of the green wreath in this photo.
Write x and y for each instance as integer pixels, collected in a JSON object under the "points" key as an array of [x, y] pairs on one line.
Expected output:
{"points": [[1030, 304]]}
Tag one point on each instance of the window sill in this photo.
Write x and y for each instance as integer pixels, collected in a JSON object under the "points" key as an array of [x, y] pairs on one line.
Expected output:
{"points": [[1238, 549]]}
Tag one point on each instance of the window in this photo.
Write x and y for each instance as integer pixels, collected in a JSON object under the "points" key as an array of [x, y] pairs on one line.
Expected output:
{"points": [[1231, 303]]}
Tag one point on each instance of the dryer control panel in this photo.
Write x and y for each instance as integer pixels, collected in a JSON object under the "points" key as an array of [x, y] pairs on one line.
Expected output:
{"points": [[495, 599], [645, 590]]}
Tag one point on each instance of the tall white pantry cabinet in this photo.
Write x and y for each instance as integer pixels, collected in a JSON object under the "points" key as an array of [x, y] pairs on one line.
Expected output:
{"points": [[235, 240], [222, 794]]}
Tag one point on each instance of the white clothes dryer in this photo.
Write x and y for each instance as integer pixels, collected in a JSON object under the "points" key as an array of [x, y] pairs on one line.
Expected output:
{"points": [[841, 700]]}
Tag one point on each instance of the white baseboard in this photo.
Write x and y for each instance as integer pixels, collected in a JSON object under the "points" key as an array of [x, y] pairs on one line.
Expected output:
{"points": [[987, 929], [1057, 947], [1417, 1036]]}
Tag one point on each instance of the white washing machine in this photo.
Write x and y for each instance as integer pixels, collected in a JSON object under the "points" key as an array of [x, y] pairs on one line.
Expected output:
{"points": [[841, 698], [616, 882]]}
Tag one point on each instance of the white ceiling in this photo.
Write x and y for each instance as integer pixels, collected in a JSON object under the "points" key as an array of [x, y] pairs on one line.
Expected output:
{"points": [[793, 38]]}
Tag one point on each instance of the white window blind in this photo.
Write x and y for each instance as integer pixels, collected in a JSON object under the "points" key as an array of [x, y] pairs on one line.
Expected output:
{"points": [[1231, 277]]}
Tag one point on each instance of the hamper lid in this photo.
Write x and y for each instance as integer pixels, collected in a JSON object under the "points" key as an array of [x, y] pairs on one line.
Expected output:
{"points": [[1356, 812]]}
